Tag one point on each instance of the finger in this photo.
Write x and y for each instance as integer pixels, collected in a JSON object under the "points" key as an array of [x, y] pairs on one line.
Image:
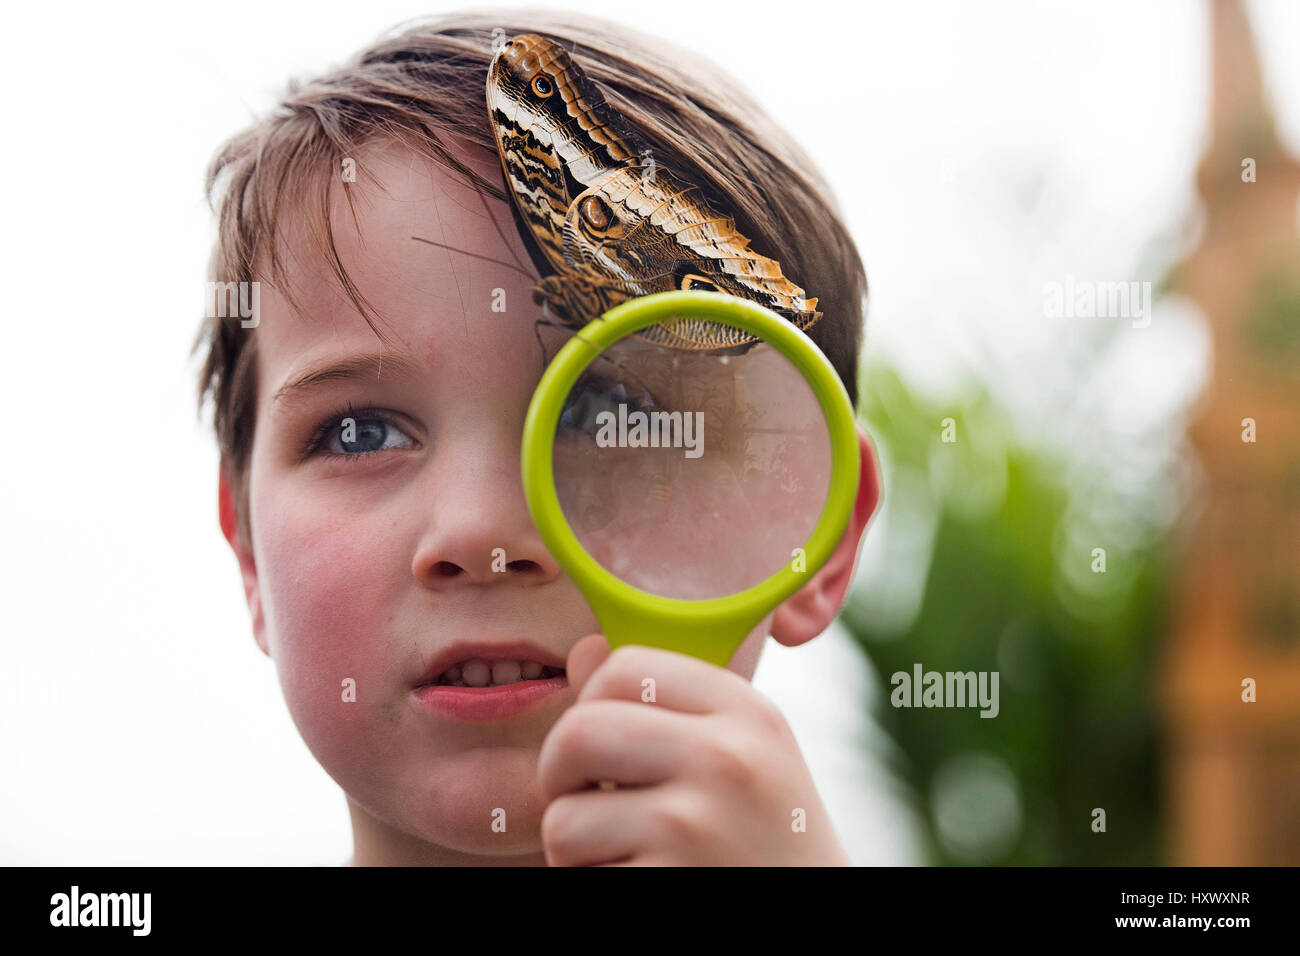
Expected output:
{"points": [[671, 680], [608, 740], [595, 828], [584, 657]]}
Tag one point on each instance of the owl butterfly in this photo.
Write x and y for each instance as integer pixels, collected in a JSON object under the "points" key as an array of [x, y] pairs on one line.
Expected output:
{"points": [[607, 227]]}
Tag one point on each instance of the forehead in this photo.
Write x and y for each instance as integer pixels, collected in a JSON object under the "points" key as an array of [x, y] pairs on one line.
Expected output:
{"points": [[424, 249]]}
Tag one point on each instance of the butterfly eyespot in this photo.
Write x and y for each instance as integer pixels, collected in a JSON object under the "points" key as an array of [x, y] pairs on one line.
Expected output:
{"points": [[693, 281], [542, 86], [595, 212]]}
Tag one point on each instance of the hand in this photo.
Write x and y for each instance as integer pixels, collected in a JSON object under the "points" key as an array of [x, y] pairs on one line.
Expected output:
{"points": [[708, 774]]}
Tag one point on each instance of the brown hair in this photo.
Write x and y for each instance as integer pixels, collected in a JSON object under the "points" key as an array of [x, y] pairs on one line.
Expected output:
{"points": [[426, 87]]}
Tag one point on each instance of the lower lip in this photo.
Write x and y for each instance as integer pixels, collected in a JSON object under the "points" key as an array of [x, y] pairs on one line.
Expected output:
{"points": [[488, 703]]}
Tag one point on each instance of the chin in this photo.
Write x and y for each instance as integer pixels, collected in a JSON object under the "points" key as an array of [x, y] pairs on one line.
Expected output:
{"points": [[463, 801]]}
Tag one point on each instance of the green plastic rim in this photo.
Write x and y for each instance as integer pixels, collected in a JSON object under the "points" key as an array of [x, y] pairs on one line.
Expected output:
{"points": [[710, 629]]}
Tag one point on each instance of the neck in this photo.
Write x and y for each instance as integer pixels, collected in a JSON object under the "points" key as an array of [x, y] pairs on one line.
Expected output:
{"points": [[376, 843]]}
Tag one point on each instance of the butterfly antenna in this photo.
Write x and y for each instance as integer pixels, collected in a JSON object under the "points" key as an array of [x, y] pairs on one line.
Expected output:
{"points": [[476, 255], [497, 226], [577, 334]]}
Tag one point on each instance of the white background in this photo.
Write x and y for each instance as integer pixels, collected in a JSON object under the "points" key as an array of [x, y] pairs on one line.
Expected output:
{"points": [[138, 721]]}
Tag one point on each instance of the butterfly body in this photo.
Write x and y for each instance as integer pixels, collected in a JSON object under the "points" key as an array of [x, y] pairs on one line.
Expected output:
{"points": [[609, 226]]}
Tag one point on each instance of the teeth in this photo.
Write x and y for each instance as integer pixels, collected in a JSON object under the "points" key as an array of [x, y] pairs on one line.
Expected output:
{"points": [[505, 672], [476, 673], [481, 673]]}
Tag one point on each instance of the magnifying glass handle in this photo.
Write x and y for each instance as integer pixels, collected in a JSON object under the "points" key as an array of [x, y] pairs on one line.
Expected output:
{"points": [[643, 619]]}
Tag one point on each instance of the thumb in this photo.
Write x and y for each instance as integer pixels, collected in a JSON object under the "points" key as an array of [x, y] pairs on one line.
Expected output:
{"points": [[584, 657]]}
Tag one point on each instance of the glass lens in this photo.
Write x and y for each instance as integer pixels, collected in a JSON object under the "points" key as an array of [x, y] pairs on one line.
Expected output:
{"points": [[692, 475]]}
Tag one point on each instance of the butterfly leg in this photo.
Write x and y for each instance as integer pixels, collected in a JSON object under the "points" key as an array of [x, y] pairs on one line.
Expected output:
{"points": [[587, 297]]}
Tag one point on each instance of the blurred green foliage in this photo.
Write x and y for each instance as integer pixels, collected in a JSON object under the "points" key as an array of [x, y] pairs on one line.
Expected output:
{"points": [[1272, 328], [988, 565]]}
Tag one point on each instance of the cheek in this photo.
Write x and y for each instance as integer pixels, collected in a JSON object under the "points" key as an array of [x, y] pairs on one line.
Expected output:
{"points": [[328, 588]]}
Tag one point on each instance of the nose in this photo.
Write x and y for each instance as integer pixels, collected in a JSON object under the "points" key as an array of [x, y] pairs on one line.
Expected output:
{"points": [[479, 530]]}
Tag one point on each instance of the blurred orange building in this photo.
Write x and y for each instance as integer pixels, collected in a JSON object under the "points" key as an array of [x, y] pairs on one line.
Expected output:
{"points": [[1232, 783]]}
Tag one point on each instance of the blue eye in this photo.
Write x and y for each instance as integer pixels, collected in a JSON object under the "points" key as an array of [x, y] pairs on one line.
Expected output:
{"points": [[592, 396], [587, 402], [352, 434]]}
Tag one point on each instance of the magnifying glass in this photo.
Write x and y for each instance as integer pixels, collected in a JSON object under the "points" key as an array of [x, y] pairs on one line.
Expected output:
{"points": [[687, 493]]}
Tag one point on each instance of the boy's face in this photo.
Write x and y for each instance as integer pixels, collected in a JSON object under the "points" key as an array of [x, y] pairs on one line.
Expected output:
{"points": [[371, 568]]}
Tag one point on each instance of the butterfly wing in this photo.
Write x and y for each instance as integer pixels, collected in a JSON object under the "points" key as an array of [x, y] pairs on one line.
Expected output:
{"points": [[657, 233], [555, 134], [605, 226], [661, 233]]}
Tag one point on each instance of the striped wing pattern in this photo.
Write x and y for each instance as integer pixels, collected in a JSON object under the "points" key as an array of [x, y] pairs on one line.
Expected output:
{"points": [[609, 227]]}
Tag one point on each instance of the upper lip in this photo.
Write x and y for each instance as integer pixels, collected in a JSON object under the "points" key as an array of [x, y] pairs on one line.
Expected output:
{"points": [[458, 653]]}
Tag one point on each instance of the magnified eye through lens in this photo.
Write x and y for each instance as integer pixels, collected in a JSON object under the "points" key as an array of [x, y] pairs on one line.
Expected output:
{"points": [[691, 475]]}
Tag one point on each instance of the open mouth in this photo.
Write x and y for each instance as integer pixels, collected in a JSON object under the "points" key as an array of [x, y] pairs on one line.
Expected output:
{"points": [[477, 672], [491, 682]]}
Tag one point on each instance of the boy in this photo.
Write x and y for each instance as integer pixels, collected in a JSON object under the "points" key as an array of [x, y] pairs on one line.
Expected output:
{"points": [[369, 419]]}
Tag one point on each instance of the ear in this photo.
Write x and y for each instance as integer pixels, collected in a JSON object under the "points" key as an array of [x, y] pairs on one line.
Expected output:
{"points": [[229, 516], [810, 610]]}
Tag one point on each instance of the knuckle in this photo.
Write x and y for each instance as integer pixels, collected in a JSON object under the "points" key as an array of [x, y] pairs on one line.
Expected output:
{"points": [[629, 660], [614, 673], [573, 735], [571, 739], [732, 762], [632, 658], [557, 829], [678, 820], [769, 717]]}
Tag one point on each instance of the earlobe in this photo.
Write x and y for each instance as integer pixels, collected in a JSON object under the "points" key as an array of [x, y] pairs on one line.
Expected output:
{"points": [[228, 514], [810, 610]]}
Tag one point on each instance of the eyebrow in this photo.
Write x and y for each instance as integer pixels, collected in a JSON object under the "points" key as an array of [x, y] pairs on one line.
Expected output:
{"points": [[354, 368]]}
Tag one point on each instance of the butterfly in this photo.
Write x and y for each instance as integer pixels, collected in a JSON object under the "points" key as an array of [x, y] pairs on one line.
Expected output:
{"points": [[607, 222]]}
